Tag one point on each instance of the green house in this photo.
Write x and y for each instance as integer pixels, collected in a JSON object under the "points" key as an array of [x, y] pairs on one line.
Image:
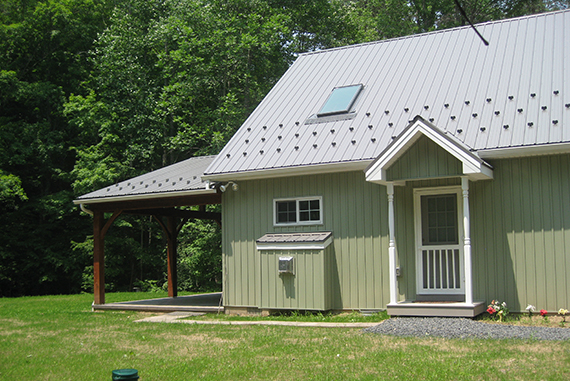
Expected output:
{"points": [[426, 175], [439, 166]]}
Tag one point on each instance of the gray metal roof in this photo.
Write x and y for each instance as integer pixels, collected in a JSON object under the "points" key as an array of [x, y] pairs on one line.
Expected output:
{"points": [[513, 93], [180, 178], [296, 237]]}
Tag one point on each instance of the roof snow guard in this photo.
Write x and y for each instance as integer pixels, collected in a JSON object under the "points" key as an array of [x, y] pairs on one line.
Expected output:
{"points": [[180, 179], [473, 166], [506, 99]]}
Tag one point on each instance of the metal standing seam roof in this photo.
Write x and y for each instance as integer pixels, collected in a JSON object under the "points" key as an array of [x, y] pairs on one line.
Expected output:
{"points": [[513, 93], [183, 177]]}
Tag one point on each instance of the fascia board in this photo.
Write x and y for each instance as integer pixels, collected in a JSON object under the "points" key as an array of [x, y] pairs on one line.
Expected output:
{"points": [[511, 152], [289, 171], [377, 173], [147, 196]]}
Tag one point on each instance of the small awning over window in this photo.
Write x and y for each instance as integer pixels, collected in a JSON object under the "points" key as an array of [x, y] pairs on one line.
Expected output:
{"points": [[295, 241]]}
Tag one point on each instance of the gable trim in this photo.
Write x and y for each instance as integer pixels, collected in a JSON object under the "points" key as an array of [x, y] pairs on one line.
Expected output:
{"points": [[473, 166]]}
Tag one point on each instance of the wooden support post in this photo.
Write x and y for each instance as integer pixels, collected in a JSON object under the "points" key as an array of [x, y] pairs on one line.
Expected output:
{"points": [[100, 228], [172, 236], [98, 258]]}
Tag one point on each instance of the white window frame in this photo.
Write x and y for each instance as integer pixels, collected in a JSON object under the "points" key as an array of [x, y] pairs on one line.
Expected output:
{"points": [[297, 211]]}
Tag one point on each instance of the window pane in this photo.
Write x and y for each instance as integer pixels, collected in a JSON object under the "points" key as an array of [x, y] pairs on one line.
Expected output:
{"points": [[432, 204], [341, 100], [286, 212], [451, 235], [308, 211], [439, 219]]}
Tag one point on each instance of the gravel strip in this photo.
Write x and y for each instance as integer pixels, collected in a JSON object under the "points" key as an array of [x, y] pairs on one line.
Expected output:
{"points": [[459, 328]]}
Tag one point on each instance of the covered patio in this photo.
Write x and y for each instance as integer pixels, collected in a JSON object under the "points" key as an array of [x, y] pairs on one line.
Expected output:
{"points": [[165, 194]]}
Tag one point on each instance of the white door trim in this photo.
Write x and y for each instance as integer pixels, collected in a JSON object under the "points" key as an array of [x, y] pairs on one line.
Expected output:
{"points": [[418, 193]]}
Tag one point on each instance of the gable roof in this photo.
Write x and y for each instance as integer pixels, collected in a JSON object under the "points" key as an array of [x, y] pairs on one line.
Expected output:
{"points": [[473, 166], [183, 178], [512, 94]]}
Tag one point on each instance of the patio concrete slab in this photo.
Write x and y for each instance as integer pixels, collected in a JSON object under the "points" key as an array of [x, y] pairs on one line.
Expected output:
{"points": [[211, 302]]}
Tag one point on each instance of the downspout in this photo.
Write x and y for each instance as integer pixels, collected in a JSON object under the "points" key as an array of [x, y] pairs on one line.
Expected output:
{"points": [[88, 211]]}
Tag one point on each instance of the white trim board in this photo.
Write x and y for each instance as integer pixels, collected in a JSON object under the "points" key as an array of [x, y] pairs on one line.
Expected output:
{"points": [[143, 196], [293, 246]]}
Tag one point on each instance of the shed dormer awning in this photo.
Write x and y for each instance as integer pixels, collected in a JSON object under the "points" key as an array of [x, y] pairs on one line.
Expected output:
{"points": [[471, 165]]}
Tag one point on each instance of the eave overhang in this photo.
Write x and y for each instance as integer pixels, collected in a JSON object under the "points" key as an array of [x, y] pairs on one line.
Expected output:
{"points": [[144, 196], [474, 167], [535, 150], [301, 170]]}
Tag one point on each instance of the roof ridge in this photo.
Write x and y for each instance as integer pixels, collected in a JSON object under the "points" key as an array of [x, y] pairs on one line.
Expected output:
{"points": [[448, 30]]}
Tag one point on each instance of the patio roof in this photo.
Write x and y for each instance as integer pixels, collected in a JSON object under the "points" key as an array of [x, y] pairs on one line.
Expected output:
{"points": [[180, 179]]}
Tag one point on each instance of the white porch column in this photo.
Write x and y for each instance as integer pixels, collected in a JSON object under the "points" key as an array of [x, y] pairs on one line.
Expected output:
{"points": [[467, 242], [392, 245]]}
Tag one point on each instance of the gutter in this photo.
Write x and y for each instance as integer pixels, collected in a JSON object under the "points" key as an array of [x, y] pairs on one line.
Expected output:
{"points": [[521, 151], [144, 196], [300, 170]]}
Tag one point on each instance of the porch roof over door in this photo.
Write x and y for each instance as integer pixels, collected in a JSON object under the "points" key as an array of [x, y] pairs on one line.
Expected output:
{"points": [[471, 165]]}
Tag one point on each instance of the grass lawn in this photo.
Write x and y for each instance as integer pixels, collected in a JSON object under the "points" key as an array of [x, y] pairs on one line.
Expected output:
{"points": [[59, 338]]}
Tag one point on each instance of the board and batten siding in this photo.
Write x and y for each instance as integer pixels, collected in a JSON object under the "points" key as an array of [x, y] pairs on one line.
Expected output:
{"points": [[424, 159], [354, 210], [520, 233], [405, 232], [310, 287]]}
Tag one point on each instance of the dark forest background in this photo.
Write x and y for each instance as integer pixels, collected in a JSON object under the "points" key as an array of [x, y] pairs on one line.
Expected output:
{"points": [[93, 92]]}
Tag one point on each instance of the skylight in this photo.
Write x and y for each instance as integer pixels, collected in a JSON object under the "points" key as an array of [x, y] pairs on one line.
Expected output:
{"points": [[341, 100]]}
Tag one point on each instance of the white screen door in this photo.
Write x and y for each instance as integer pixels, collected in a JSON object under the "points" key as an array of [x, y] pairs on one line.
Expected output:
{"points": [[439, 255]]}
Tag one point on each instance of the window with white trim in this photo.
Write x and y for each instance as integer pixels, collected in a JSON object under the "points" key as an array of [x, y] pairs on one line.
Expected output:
{"points": [[298, 211]]}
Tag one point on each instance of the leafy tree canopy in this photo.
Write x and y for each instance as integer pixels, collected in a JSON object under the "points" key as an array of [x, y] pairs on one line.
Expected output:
{"points": [[96, 91]]}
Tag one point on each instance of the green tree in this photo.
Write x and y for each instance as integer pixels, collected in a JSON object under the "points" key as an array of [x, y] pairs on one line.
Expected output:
{"points": [[395, 18], [174, 79], [43, 47]]}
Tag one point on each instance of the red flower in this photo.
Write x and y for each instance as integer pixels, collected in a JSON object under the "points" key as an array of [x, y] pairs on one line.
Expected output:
{"points": [[543, 312], [491, 310]]}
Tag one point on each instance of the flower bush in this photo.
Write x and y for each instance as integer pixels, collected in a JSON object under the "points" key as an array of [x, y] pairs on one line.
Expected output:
{"points": [[498, 309], [543, 313], [562, 312], [530, 309]]}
